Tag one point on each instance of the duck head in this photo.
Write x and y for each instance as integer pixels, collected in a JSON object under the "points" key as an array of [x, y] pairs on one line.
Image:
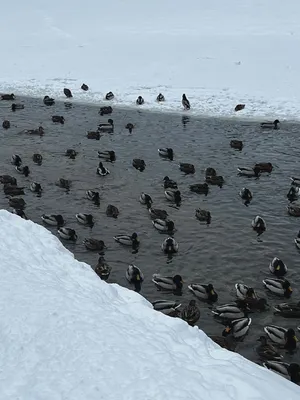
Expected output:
{"points": [[26, 171], [294, 372], [256, 171], [250, 293], [89, 220], [170, 225], [208, 220], [287, 288], [170, 154], [262, 340], [177, 280], [110, 121], [177, 197], [166, 179], [59, 219], [112, 156], [137, 283]]}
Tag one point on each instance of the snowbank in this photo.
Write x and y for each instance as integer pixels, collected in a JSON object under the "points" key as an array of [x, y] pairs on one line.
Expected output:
{"points": [[65, 334], [220, 53]]}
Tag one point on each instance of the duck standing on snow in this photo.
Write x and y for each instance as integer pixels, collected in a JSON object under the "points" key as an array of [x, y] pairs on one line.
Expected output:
{"points": [[102, 269], [282, 336], [128, 240], [185, 102], [238, 328], [203, 216], [190, 313], [164, 225], [140, 101], [174, 196], [277, 267], [109, 96], [93, 196], [249, 172], [166, 152], [68, 93], [53, 220], [67, 234], [85, 219], [270, 125], [284, 369], [135, 276], [16, 160], [160, 98], [101, 170], [204, 292], [145, 199], [112, 211], [169, 246], [267, 351], [169, 183], [168, 283], [246, 195], [259, 225], [281, 287]]}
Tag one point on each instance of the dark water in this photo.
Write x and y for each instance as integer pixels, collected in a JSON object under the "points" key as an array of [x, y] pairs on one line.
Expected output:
{"points": [[223, 253]]}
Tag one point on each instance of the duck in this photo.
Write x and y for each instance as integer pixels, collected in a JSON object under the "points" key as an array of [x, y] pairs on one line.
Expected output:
{"points": [[264, 167], [168, 307], [101, 170], [259, 225], [200, 188], [20, 213], [203, 216], [238, 328], [282, 336], [145, 199], [190, 313], [23, 170], [108, 155], [68, 93], [288, 310], [109, 96], [59, 119], [102, 269], [16, 160], [295, 181], [53, 220], [169, 246], [107, 127], [63, 183], [71, 153], [48, 101], [140, 101], [185, 102], [135, 276], [277, 267], [236, 144], [229, 311], [164, 225], [267, 351], [5, 124], [168, 283], [17, 106], [270, 125], [36, 187], [187, 168], [128, 240], [8, 179], [67, 234], [105, 110], [84, 87], [17, 202], [297, 241], [37, 158], [217, 180], [93, 135], [129, 126], [228, 342], [169, 183], [13, 190], [243, 291], [94, 244], [112, 211], [254, 304], [38, 131], [239, 107], [157, 213], [174, 196], [289, 371], [294, 209], [249, 172], [8, 96], [246, 195], [293, 193], [281, 287], [166, 152], [204, 292], [85, 219], [210, 172], [139, 164], [160, 98]]}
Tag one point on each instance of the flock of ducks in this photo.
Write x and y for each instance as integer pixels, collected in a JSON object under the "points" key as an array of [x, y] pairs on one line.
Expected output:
{"points": [[234, 315]]}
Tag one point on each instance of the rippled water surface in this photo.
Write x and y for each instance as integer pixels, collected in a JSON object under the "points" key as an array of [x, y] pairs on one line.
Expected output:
{"points": [[223, 253]]}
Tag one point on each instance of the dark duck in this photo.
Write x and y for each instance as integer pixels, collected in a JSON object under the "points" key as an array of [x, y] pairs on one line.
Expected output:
{"points": [[185, 102], [68, 93], [48, 101], [140, 101], [270, 125]]}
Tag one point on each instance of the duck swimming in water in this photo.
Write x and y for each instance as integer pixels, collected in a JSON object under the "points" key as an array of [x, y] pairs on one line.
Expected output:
{"points": [[13, 190], [238, 328], [267, 351], [270, 125], [36, 187], [67, 234], [277, 267], [185, 102], [48, 101], [102, 269], [168, 307], [169, 183], [289, 371], [203, 216], [280, 287], [127, 240], [8, 96], [105, 110], [236, 144], [229, 311], [16, 106], [168, 283], [295, 181], [101, 170], [106, 127], [85, 219], [157, 213], [112, 211], [140, 101], [249, 172], [53, 219], [93, 135], [166, 152], [135, 276], [288, 310], [246, 195], [297, 241], [243, 291], [109, 155], [58, 119], [204, 292], [8, 179], [129, 126], [210, 172], [164, 225], [264, 167], [63, 183], [190, 313], [71, 153], [16, 160], [17, 202], [94, 244], [145, 199], [217, 180], [174, 196], [139, 164], [293, 193], [258, 224], [294, 209], [23, 170], [37, 159], [187, 168], [5, 124], [282, 336], [169, 246], [160, 98], [200, 188]]}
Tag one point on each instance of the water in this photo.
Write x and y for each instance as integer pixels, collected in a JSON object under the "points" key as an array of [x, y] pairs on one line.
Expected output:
{"points": [[223, 253]]}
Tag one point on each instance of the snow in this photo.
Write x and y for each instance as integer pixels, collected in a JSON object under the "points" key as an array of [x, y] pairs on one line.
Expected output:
{"points": [[65, 334], [220, 53]]}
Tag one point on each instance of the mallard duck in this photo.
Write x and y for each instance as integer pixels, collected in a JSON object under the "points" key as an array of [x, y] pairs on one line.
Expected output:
{"points": [[288, 310], [36, 187], [109, 155], [236, 144], [209, 172], [93, 135], [94, 244], [166, 152], [138, 164], [84, 87], [203, 216], [127, 240], [157, 213], [93, 196], [129, 126], [185, 102], [169, 246], [13, 190], [239, 107], [163, 225], [282, 336], [107, 127], [169, 183], [85, 219], [200, 188], [293, 193], [140, 101], [67, 234], [105, 110], [160, 98], [8, 180], [53, 219], [16, 160], [281, 287], [246, 195], [258, 224], [17, 106], [168, 307], [277, 267], [229, 311], [289, 371], [17, 202], [217, 180], [294, 208], [109, 96], [267, 351], [63, 183], [101, 170], [228, 342], [145, 199], [58, 119], [295, 181], [135, 276], [23, 170], [7, 96], [238, 328], [174, 196], [48, 101], [71, 153], [5, 124], [187, 168], [102, 269], [204, 292], [249, 172], [68, 93], [112, 211], [297, 240], [37, 159], [20, 213], [190, 313], [243, 291], [38, 131], [270, 125], [264, 167], [171, 283]]}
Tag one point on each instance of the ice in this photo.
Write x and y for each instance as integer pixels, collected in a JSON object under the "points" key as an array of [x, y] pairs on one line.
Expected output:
{"points": [[220, 53], [65, 334]]}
